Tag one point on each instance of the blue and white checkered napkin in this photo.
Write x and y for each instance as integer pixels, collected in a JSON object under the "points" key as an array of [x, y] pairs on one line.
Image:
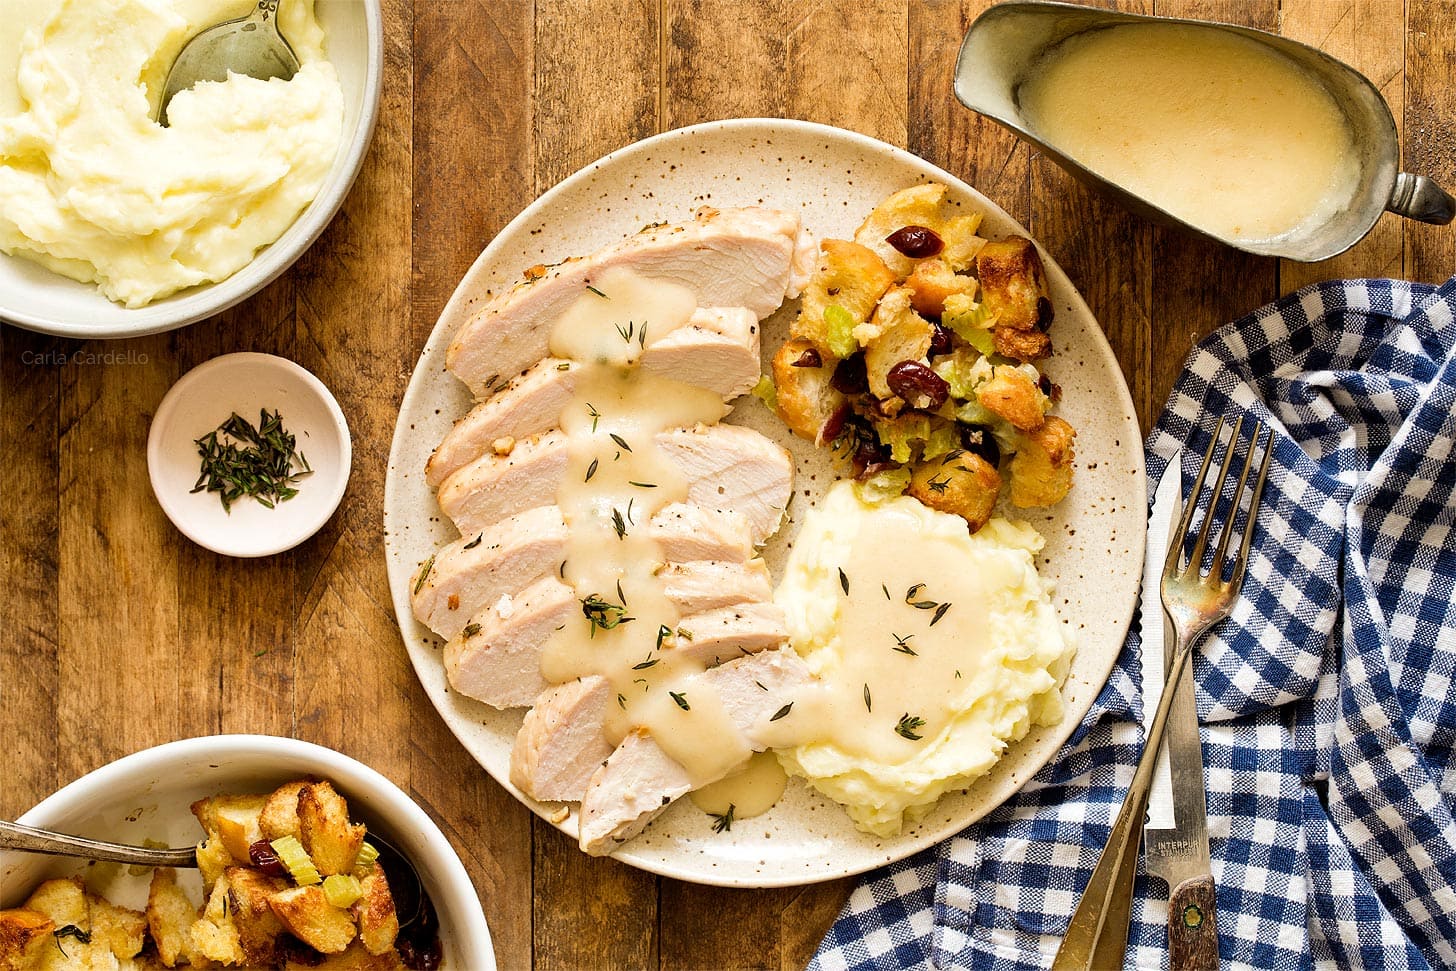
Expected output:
{"points": [[1328, 699]]}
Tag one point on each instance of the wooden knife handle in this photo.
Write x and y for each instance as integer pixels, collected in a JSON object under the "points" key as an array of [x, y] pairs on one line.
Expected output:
{"points": [[1193, 926]]}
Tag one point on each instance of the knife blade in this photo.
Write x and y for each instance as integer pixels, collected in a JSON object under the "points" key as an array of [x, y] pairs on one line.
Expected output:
{"points": [[1175, 838]]}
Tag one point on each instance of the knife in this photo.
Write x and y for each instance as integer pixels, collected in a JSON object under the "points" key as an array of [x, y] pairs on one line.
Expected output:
{"points": [[1175, 838]]}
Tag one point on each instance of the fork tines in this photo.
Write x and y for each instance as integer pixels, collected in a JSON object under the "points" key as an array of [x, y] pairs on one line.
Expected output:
{"points": [[1193, 565]]}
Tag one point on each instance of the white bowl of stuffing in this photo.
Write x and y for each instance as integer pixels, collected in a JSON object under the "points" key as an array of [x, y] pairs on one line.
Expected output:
{"points": [[288, 876]]}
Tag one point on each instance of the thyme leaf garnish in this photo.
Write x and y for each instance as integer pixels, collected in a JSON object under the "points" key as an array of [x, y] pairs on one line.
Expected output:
{"points": [[602, 613], [424, 574], [591, 470], [781, 712], [939, 613], [644, 665], [868, 705], [621, 442], [619, 524], [887, 591], [663, 632], [625, 332], [919, 604], [597, 292], [474, 543], [470, 630], [679, 699], [643, 485], [902, 645], [908, 726], [594, 415], [938, 485], [843, 582], [723, 822], [240, 460], [621, 701]]}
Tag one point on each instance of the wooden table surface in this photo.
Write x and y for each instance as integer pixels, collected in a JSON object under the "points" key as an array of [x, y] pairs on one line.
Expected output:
{"points": [[120, 634]]}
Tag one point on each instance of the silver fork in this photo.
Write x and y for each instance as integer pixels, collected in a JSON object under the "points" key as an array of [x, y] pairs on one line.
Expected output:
{"points": [[1194, 601]]}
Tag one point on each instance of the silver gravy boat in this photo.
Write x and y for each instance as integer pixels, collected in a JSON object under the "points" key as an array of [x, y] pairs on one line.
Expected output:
{"points": [[1006, 42]]}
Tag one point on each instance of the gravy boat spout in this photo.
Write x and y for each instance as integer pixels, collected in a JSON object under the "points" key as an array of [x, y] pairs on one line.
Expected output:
{"points": [[1005, 46]]}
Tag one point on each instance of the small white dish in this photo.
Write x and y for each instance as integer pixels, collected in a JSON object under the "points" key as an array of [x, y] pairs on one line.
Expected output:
{"points": [[146, 795], [37, 299], [246, 383]]}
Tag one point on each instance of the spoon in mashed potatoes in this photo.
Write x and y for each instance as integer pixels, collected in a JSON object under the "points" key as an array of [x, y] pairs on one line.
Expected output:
{"points": [[251, 45]]}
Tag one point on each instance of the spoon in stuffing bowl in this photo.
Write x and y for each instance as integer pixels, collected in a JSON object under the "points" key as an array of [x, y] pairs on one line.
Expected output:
{"points": [[250, 45], [404, 881]]}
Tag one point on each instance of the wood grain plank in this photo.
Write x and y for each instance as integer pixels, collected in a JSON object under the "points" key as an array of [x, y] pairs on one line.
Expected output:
{"points": [[1368, 35], [473, 154], [599, 89], [589, 910], [117, 582], [711, 72], [472, 157], [846, 66], [1430, 129], [30, 683]]}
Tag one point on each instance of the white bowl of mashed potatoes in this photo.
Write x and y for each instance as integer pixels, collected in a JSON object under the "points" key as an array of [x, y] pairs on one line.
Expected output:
{"points": [[112, 226]]}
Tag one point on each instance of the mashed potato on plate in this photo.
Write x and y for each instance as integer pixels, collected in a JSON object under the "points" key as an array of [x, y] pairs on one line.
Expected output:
{"points": [[935, 649], [92, 188]]}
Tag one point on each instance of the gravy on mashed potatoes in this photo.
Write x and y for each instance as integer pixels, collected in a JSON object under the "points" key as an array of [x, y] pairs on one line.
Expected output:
{"points": [[92, 188], [934, 650]]}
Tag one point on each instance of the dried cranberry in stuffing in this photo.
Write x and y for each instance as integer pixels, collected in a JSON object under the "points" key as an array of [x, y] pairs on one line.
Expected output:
{"points": [[916, 242], [810, 358], [850, 377], [979, 441], [918, 385], [940, 340], [263, 857]]}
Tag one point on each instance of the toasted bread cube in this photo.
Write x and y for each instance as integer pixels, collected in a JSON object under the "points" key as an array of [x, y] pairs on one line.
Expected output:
{"points": [[958, 482], [325, 830], [214, 934], [250, 893], [308, 916], [234, 819], [806, 399], [353, 958], [895, 333], [1041, 470], [170, 916], [1013, 288], [120, 930], [213, 858], [25, 936], [1014, 396], [63, 901], [848, 276], [922, 205], [932, 282], [374, 912], [280, 812]]}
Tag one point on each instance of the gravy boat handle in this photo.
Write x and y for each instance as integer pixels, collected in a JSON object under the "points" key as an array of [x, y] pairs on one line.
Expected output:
{"points": [[1417, 197]]}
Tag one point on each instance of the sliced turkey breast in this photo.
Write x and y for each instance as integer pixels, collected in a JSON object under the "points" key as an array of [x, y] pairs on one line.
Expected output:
{"points": [[727, 467], [472, 573], [499, 662], [639, 780], [717, 350], [563, 740], [748, 257]]}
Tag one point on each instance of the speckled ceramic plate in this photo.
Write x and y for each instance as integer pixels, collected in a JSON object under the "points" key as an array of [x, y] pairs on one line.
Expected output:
{"points": [[832, 178]]}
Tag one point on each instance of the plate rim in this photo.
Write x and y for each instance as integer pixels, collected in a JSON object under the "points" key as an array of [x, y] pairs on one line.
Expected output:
{"points": [[457, 309]]}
